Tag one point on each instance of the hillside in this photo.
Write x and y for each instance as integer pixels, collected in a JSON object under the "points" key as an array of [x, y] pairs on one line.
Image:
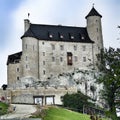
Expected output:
{"points": [[54, 113]]}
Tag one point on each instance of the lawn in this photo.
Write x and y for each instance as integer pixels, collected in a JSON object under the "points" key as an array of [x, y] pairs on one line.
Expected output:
{"points": [[3, 108], [54, 113]]}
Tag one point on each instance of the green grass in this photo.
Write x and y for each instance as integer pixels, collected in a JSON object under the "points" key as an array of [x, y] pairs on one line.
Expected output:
{"points": [[3, 108], [54, 113], [57, 113]]}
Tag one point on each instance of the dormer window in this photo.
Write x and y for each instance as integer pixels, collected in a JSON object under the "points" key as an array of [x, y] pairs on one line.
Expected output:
{"points": [[51, 36], [72, 37], [82, 38], [61, 36]]}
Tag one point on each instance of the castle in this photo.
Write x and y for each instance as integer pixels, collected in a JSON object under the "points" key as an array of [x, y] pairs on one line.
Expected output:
{"points": [[53, 50]]}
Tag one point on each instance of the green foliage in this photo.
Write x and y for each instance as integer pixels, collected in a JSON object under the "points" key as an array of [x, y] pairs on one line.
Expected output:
{"points": [[110, 67], [3, 108], [111, 115], [75, 101]]}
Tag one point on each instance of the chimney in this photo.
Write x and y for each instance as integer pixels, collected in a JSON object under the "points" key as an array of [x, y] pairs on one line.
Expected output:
{"points": [[26, 24]]}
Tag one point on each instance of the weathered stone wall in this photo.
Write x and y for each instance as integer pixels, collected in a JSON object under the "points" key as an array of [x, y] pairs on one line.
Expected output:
{"points": [[6, 94], [27, 95], [1, 93], [48, 67], [14, 73]]}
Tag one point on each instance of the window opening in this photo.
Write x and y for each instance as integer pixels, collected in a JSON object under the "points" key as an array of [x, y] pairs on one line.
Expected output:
{"points": [[84, 47], [53, 47], [84, 59], [53, 59], [18, 69], [61, 47], [69, 58]]}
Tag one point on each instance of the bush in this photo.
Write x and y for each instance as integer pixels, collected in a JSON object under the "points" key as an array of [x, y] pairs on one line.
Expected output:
{"points": [[3, 108], [75, 101]]}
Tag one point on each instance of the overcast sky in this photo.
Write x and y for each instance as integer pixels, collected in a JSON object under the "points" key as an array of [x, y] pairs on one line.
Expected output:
{"points": [[64, 12]]}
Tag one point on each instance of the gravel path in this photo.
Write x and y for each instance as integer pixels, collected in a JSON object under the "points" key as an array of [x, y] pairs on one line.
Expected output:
{"points": [[21, 111]]}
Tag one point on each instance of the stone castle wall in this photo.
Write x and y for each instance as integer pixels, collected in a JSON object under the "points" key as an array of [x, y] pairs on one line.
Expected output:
{"points": [[14, 73], [27, 95]]}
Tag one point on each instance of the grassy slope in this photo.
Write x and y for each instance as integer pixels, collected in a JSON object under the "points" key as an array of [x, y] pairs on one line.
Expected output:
{"points": [[3, 108], [63, 114]]}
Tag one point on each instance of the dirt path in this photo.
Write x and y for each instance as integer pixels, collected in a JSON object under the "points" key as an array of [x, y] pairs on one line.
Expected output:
{"points": [[21, 111]]}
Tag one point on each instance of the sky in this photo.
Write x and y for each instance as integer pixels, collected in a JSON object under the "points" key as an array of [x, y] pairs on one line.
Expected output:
{"points": [[55, 12]]}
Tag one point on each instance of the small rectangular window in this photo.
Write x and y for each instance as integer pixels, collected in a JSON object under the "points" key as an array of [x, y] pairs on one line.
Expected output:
{"points": [[25, 46], [84, 59], [43, 43], [61, 59], [43, 53], [75, 47], [43, 62], [76, 58], [26, 58], [84, 47], [43, 72], [26, 66], [53, 59], [18, 78], [53, 47], [61, 47], [18, 69]]}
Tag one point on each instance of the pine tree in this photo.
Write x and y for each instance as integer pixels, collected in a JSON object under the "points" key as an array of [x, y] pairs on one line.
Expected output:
{"points": [[110, 67]]}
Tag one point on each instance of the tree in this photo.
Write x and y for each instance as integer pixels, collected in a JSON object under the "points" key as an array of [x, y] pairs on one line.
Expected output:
{"points": [[75, 101], [110, 78]]}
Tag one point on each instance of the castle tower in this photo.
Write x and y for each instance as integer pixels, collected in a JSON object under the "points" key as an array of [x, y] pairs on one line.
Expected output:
{"points": [[30, 52], [94, 29]]}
